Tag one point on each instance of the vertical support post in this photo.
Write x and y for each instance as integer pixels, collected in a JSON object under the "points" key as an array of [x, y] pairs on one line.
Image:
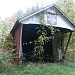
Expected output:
{"points": [[55, 52], [68, 42], [20, 49]]}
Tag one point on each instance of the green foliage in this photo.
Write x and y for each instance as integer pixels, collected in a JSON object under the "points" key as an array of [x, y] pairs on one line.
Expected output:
{"points": [[68, 7], [59, 39], [6, 56], [72, 42], [39, 43], [31, 10], [3, 28], [9, 43], [66, 68], [41, 18]]}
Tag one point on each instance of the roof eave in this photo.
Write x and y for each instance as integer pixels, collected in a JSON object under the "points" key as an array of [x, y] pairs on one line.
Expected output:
{"points": [[15, 26]]}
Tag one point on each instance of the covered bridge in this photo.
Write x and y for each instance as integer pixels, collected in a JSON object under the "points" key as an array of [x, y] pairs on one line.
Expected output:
{"points": [[25, 30]]}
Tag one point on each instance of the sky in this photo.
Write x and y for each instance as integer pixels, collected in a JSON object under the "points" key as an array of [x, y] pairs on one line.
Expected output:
{"points": [[9, 7]]}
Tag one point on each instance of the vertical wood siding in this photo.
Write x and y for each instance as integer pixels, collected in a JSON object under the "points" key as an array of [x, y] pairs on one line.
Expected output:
{"points": [[17, 39]]}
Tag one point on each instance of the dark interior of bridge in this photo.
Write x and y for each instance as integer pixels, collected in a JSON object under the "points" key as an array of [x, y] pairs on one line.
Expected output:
{"points": [[29, 34]]}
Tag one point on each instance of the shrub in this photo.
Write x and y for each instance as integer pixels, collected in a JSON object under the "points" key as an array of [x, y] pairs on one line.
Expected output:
{"points": [[6, 49]]}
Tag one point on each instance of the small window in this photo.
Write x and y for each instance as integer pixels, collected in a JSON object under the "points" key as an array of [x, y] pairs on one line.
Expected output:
{"points": [[28, 19], [51, 18], [32, 18]]}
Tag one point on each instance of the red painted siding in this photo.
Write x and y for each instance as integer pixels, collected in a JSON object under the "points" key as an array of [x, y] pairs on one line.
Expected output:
{"points": [[17, 40]]}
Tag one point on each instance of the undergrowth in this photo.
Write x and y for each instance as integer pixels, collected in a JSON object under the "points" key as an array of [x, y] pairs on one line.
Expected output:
{"points": [[67, 68]]}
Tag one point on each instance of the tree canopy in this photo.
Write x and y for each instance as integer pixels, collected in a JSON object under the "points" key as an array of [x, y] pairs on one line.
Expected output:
{"points": [[68, 7]]}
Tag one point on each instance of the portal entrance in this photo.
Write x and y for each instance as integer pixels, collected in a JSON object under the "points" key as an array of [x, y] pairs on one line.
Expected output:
{"points": [[29, 34]]}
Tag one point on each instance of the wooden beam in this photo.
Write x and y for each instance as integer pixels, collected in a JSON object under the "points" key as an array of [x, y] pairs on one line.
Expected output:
{"points": [[68, 42], [20, 49]]}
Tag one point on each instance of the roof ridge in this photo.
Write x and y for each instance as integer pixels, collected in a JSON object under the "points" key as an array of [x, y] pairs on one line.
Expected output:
{"points": [[37, 11]]}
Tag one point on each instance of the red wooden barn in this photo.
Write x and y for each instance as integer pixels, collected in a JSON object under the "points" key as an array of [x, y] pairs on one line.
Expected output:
{"points": [[25, 30]]}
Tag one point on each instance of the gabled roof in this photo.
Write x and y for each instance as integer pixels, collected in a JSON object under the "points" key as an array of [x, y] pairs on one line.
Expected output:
{"points": [[25, 17], [45, 8]]}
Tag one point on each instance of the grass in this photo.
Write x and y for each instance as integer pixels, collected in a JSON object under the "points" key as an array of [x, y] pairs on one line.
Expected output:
{"points": [[66, 68]]}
